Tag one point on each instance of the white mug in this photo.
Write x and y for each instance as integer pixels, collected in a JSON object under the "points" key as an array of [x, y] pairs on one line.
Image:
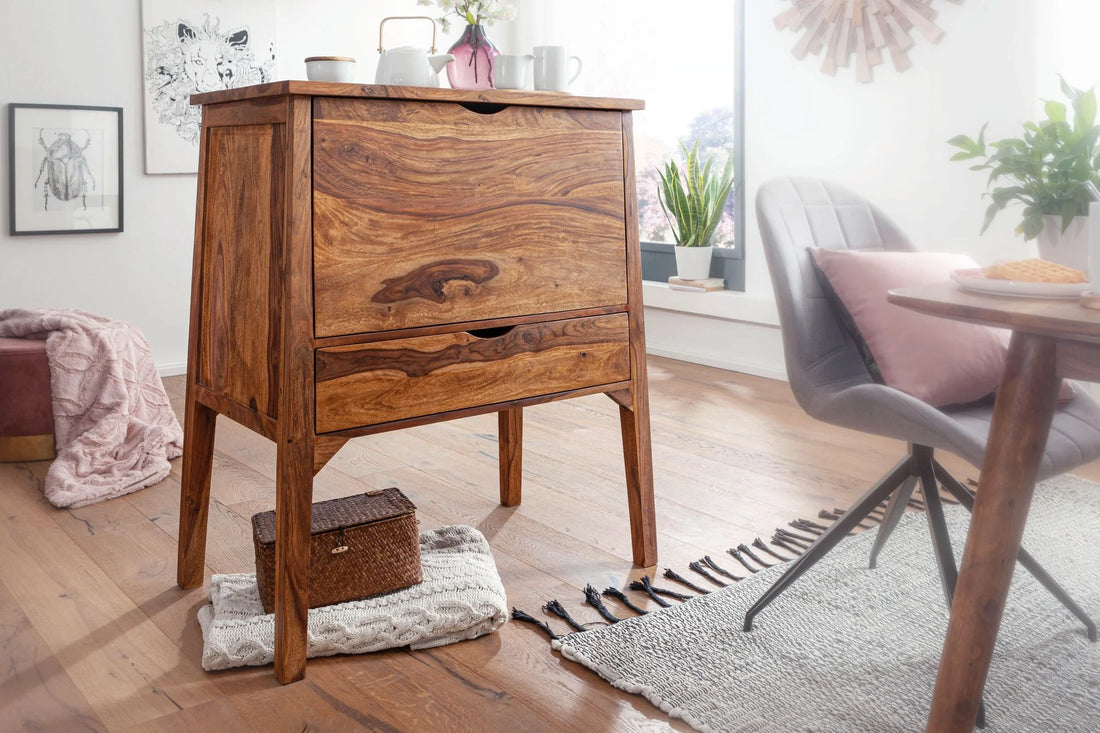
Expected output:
{"points": [[551, 68], [511, 70]]}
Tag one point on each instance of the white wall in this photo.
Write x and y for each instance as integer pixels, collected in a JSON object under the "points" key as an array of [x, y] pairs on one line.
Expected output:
{"points": [[886, 138], [93, 57], [143, 274]]}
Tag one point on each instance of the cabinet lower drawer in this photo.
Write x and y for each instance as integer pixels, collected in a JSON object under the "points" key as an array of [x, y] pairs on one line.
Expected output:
{"points": [[412, 377]]}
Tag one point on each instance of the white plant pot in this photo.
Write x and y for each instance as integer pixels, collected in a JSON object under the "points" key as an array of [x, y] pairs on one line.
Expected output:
{"points": [[1069, 248], [693, 263]]}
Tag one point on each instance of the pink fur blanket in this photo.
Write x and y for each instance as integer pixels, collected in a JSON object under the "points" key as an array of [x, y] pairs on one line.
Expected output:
{"points": [[114, 428]]}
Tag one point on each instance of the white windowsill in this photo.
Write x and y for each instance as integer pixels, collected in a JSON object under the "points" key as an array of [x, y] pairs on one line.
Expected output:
{"points": [[727, 304]]}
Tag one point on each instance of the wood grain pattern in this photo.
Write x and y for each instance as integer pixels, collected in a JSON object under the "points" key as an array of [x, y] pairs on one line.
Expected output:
{"points": [[1021, 420], [238, 335], [402, 378], [634, 418], [253, 420], [1066, 318], [199, 419], [366, 263], [736, 458], [37, 691], [374, 91], [432, 281], [295, 442], [424, 217], [264, 111], [1048, 336], [510, 438]]}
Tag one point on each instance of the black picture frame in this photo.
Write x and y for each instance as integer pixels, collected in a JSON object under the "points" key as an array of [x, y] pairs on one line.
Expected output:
{"points": [[65, 170]]}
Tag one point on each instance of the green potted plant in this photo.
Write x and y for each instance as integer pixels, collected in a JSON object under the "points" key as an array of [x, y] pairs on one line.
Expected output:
{"points": [[1046, 170], [693, 199]]}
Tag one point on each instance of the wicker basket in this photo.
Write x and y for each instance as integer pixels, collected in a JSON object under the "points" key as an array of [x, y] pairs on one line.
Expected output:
{"points": [[360, 546]]}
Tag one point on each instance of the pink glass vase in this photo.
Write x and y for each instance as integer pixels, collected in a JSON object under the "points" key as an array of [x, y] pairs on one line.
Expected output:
{"points": [[475, 56]]}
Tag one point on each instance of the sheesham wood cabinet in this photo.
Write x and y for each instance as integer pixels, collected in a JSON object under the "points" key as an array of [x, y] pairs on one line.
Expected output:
{"points": [[370, 258]]}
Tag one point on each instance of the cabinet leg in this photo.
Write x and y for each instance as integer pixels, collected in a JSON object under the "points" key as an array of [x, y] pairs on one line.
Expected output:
{"points": [[198, 454], [293, 512], [638, 457], [510, 438]]}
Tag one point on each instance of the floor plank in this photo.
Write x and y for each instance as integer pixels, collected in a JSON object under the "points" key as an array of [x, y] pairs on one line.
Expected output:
{"points": [[96, 635]]}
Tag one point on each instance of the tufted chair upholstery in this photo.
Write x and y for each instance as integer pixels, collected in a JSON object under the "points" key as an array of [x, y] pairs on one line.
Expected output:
{"points": [[831, 382]]}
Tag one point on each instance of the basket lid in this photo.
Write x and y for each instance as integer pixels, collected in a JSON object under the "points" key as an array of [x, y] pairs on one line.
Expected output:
{"points": [[347, 511]]}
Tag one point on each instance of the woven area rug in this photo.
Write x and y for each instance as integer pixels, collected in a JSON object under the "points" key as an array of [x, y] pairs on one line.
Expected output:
{"points": [[851, 649], [461, 597]]}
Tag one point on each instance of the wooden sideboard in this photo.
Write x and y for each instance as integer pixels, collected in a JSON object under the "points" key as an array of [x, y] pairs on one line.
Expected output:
{"points": [[369, 258]]}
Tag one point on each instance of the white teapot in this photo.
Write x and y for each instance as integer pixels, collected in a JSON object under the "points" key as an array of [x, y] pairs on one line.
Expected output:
{"points": [[409, 65]]}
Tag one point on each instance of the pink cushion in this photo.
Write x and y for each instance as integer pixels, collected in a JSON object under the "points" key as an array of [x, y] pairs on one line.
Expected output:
{"points": [[938, 361]]}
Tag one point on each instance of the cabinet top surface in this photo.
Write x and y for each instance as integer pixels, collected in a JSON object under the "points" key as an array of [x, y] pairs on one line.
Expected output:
{"points": [[375, 91]]}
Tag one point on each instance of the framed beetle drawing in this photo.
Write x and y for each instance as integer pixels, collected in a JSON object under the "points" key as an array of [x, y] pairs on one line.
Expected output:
{"points": [[65, 169]]}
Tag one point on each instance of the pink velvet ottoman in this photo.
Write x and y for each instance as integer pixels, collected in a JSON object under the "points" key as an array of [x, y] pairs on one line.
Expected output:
{"points": [[26, 413]]}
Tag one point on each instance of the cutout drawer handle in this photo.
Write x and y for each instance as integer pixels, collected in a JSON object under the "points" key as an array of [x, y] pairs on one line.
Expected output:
{"points": [[490, 333], [484, 108]]}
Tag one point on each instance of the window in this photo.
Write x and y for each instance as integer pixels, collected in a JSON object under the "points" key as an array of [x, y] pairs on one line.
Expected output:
{"points": [[684, 60]]}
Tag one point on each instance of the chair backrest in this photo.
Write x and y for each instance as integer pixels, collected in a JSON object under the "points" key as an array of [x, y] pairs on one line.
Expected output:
{"points": [[795, 214]]}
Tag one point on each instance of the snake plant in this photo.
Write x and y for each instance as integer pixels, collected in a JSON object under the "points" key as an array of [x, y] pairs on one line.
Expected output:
{"points": [[694, 197]]}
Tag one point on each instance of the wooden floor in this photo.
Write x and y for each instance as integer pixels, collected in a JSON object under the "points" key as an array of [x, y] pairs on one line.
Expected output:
{"points": [[95, 634]]}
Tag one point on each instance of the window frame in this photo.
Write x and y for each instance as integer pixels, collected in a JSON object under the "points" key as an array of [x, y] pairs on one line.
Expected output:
{"points": [[658, 258]]}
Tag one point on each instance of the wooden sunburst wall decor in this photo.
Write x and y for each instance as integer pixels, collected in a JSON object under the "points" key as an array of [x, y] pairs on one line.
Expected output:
{"points": [[859, 32]]}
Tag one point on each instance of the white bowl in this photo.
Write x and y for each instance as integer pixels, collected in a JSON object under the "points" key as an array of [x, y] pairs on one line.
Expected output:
{"points": [[330, 68]]}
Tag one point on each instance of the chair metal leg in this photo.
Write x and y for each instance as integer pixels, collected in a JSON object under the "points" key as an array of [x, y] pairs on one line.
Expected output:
{"points": [[966, 498], [937, 524], [834, 534], [894, 511]]}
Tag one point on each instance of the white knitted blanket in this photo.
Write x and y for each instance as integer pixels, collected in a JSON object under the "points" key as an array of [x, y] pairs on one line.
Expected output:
{"points": [[114, 428], [461, 597]]}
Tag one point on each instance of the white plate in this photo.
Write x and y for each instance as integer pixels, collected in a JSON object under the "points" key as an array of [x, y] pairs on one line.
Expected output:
{"points": [[974, 280]]}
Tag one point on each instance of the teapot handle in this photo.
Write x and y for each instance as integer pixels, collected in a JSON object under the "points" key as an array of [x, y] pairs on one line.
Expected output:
{"points": [[405, 17]]}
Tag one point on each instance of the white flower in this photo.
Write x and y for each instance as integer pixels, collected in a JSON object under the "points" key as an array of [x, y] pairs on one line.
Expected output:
{"points": [[471, 11]]}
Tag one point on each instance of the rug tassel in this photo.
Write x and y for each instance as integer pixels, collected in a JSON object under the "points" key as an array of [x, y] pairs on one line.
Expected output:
{"points": [[805, 525], [737, 555], [837, 514], [803, 540], [763, 547], [621, 598], [557, 609], [786, 545], [697, 566], [790, 538], [519, 615], [646, 585], [753, 556], [592, 597], [673, 575], [720, 570]]}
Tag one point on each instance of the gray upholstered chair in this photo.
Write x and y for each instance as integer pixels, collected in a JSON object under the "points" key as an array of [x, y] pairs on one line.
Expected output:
{"points": [[832, 383]]}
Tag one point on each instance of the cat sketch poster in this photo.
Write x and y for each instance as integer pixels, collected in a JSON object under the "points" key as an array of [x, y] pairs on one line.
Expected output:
{"points": [[191, 47]]}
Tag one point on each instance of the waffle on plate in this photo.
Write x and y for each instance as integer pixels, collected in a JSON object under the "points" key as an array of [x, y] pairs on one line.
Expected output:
{"points": [[1034, 271]]}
